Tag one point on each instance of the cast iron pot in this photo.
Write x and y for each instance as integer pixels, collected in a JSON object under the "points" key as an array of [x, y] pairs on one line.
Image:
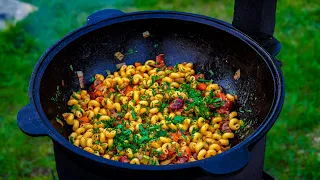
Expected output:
{"points": [[209, 43]]}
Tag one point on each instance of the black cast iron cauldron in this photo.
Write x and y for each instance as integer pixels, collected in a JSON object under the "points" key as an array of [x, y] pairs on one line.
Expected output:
{"points": [[209, 43]]}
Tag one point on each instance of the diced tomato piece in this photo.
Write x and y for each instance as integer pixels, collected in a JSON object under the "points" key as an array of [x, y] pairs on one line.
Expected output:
{"points": [[187, 152], [163, 157], [160, 58], [97, 82], [100, 99], [112, 90], [221, 95], [160, 61], [175, 137], [92, 95], [170, 67], [83, 120], [147, 153], [92, 88], [199, 76], [226, 108], [202, 86], [100, 87], [171, 152], [126, 90], [124, 159], [137, 64], [98, 93], [137, 102]]}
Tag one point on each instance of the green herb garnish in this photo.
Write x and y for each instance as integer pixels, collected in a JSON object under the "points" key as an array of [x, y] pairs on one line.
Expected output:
{"points": [[211, 72], [177, 119], [175, 68], [96, 130], [153, 79], [133, 114], [204, 80], [130, 51], [75, 97], [71, 139], [162, 106], [57, 95]]}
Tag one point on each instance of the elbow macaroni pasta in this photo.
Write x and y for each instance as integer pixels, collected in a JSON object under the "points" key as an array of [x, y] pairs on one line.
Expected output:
{"points": [[152, 114]]}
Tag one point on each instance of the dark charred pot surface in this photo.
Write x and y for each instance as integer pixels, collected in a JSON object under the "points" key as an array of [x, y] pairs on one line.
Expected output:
{"points": [[211, 50]]}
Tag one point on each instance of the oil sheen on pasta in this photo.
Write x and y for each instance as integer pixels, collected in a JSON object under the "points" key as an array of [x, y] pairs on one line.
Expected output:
{"points": [[152, 114]]}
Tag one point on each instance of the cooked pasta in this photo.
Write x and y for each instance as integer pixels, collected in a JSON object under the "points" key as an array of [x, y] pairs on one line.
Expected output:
{"points": [[152, 114]]}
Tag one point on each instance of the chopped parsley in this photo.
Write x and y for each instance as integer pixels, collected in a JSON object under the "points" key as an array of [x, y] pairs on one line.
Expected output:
{"points": [[153, 79], [75, 97], [71, 139], [194, 130], [211, 72], [95, 130], [162, 106], [109, 123], [133, 114], [74, 107], [177, 119], [175, 68], [204, 80], [57, 95], [130, 51]]}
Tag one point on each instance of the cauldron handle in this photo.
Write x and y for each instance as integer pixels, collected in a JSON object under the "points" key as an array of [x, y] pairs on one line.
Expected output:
{"points": [[30, 122], [103, 15]]}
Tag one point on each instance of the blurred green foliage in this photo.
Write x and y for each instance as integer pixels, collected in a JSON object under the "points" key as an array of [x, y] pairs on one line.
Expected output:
{"points": [[293, 147]]}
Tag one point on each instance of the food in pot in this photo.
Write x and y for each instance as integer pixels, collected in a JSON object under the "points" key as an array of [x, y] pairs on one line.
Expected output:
{"points": [[119, 56], [152, 114], [146, 34]]}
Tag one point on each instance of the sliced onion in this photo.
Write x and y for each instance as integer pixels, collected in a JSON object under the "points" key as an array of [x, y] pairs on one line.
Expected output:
{"points": [[139, 156], [60, 122], [80, 76], [114, 115], [237, 75], [118, 66], [168, 161]]}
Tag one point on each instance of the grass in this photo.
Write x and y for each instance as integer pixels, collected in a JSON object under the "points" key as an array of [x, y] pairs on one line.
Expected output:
{"points": [[293, 143]]}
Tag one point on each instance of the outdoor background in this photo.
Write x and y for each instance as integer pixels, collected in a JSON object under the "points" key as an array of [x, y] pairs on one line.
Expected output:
{"points": [[293, 147]]}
